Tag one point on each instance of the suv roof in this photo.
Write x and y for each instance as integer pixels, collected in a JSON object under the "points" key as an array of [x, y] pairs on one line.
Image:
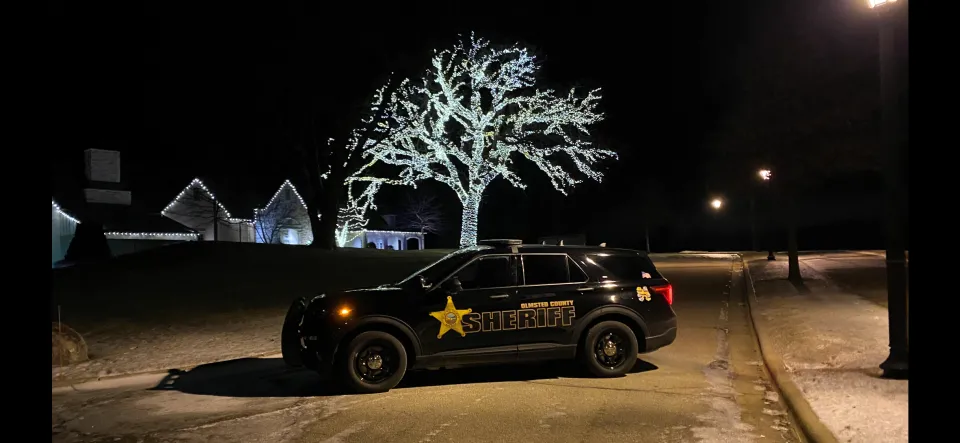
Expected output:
{"points": [[571, 248]]}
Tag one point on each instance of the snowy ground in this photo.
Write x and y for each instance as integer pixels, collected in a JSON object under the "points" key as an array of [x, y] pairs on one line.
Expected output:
{"points": [[186, 307], [832, 342]]}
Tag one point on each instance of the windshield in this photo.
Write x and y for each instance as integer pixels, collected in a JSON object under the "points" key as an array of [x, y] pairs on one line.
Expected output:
{"points": [[447, 264]]}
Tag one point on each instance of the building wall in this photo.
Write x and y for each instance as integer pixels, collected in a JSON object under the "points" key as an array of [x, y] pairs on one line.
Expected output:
{"points": [[385, 239], [62, 234], [271, 221], [199, 215]]}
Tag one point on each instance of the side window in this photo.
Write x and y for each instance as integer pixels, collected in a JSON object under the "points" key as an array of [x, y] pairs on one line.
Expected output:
{"points": [[624, 267], [576, 274], [488, 272], [545, 269]]}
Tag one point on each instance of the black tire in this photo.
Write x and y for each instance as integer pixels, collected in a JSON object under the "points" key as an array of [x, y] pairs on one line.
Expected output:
{"points": [[290, 344], [357, 374], [605, 337]]}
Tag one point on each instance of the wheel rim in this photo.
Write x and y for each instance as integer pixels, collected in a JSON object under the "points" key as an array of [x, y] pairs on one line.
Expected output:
{"points": [[610, 350], [376, 363]]}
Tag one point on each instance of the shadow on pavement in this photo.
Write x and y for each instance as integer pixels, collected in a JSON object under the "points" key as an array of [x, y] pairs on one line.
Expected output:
{"points": [[270, 377]]}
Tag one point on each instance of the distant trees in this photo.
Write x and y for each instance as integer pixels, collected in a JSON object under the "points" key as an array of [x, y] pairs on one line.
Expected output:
{"points": [[809, 108], [422, 212]]}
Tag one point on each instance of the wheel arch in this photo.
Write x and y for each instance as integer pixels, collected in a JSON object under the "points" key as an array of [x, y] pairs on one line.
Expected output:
{"points": [[624, 315], [391, 325]]}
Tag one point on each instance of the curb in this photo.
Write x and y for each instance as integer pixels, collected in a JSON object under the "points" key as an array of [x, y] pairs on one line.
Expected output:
{"points": [[139, 378], [813, 429]]}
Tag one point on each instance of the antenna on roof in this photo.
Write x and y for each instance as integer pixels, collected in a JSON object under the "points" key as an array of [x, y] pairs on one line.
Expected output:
{"points": [[603, 245], [560, 243]]}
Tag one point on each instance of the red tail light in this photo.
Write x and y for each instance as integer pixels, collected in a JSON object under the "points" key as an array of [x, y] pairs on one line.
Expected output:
{"points": [[666, 291]]}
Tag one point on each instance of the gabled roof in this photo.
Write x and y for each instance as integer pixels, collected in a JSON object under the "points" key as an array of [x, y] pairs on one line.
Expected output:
{"points": [[286, 183], [196, 183], [64, 213]]}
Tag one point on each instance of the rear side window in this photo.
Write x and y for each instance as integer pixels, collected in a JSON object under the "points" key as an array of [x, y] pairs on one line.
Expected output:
{"points": [[624, 267], [550, 269]]}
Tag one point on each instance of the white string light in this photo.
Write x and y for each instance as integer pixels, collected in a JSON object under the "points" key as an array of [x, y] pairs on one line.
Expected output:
{"points": [[195, 183], [537, 124], [285, 184], [64, 214], [171, 235]]}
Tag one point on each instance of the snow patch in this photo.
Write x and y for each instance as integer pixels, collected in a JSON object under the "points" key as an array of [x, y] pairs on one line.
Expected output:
{"points": [[831, 342]]}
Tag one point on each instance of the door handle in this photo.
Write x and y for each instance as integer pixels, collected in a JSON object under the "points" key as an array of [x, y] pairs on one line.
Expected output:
{"points": [[500, 296], [585, 289]]}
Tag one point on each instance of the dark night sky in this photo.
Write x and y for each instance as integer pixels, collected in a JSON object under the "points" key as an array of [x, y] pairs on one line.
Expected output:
{"points": [[184, 94]]}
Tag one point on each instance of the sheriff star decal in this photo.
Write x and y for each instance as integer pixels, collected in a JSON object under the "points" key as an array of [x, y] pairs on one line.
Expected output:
{"points": [[643, 294], [451, 318]]}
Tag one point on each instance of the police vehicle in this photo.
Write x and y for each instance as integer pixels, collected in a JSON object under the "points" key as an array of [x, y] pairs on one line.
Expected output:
{"points": [[498, 302]]}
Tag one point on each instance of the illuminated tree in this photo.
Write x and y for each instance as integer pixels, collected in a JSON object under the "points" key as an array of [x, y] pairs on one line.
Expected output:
{"points": [[332, 166], [475, 111]]}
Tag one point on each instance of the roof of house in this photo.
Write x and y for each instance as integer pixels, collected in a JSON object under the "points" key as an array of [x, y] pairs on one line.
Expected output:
{"points": [[236, 204], [284, 185]]}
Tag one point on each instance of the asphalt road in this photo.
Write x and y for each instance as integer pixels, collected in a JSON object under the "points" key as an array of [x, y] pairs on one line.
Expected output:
{"points": [[709, 386]]}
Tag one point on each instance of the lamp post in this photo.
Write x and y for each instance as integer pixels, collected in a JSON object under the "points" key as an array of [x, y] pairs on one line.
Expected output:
{"points": [[892, 136], [764, 175]]}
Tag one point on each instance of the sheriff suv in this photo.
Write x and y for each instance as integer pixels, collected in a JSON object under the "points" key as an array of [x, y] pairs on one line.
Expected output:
{"points": [[498, 302]]}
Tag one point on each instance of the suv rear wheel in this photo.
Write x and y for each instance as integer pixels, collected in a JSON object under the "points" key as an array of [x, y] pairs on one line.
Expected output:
{"points": [[374, 361], [610, 349]]}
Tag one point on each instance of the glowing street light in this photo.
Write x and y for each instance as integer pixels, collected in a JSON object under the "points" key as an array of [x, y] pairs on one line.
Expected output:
{"points": [[716, 203], [878, 3], [765, 174]]}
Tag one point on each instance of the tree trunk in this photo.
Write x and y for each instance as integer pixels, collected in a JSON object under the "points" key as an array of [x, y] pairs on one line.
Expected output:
{"points": [[468, 225], [327, 227], [793, 248]]}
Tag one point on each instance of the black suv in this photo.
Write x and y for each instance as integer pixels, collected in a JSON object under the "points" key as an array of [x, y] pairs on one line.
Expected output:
{"points": [[498, 302]]}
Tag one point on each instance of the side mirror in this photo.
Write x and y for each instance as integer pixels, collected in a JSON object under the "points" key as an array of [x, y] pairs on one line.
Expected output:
{"points": [[424, 283]]}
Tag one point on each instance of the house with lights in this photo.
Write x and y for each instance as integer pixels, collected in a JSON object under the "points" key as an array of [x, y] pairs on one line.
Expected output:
{"points": [[383, 233], [284, 219], [64, 227], [199, 209], [127, 230]]}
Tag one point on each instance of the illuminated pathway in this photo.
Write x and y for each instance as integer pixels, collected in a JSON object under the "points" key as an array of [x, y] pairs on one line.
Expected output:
{"points": [[708, 386]]}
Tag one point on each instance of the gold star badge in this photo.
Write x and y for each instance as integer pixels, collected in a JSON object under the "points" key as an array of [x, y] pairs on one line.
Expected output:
{"points": [[643, 294], [450, 318]]}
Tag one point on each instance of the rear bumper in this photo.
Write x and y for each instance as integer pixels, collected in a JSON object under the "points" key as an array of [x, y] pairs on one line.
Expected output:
{"points": [[661, 333], [655, 342]]}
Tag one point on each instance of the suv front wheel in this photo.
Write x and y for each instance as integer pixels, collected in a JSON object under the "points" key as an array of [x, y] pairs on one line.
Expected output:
{"points": [[610, 349], [374, 361]]}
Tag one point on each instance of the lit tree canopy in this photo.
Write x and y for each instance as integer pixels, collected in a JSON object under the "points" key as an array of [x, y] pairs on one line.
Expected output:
{"points": [[473, 110]]}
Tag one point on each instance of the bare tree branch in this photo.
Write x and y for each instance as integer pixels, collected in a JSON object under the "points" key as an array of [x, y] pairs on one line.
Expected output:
{"points": [[422, 213]]}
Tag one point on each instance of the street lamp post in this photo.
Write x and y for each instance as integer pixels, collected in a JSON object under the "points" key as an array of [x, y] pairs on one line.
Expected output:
{"points": [[892, 136], [764, 175]]}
